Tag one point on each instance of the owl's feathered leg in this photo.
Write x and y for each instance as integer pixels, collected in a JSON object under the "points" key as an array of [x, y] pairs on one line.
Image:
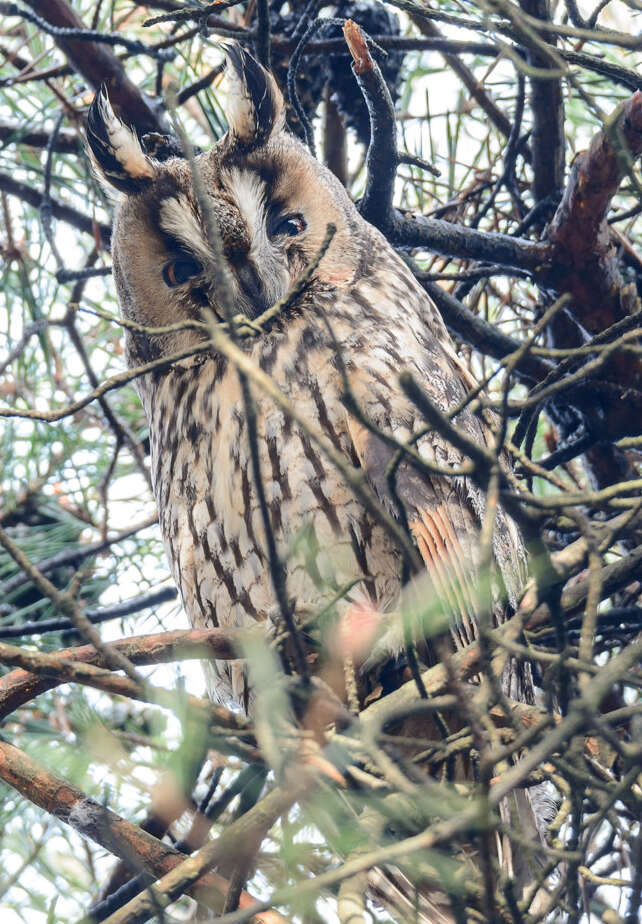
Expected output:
{"points": [[375, 639], [393, 889]]}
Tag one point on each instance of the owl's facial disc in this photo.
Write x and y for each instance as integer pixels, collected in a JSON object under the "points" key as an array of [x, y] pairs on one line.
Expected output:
{"points": [[272, 202], [263, 238], [261, 245]]}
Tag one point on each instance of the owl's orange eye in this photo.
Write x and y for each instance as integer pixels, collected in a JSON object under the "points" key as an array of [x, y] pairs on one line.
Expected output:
{"points": [[288, 226], [180, 270]]}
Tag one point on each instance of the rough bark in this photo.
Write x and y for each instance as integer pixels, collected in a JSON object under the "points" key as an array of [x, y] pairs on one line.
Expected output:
{"points": [[71, 805], [585, 260], [20, 686]]}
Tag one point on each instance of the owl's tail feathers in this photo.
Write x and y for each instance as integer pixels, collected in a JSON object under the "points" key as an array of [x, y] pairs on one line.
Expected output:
{"points": [[526, 813], [424, 899], [394, 891]]}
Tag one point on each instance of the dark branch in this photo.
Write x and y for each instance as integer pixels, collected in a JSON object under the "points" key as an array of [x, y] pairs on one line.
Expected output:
{"points": [[80, 34], [263, 35], [585, 253], [62, 212], [117, 611], [585, 261], [547, 107], [481, 335], [452, 240], [67, 142], [98, 65], [382, 160]]}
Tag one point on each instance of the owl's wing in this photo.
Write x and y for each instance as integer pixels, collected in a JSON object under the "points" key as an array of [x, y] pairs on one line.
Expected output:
{"points": [[441, 520], [443, 513]]}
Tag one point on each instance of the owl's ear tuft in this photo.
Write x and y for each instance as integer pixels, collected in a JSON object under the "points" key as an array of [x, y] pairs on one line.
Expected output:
{"points": [[255, 109], [115, 149]]}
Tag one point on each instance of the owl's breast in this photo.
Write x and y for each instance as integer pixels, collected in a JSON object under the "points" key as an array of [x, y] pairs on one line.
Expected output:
{"points": [[209, 507]]}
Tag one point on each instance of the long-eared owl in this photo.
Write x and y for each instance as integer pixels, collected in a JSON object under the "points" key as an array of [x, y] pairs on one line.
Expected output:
{"points": [[359, 321]]}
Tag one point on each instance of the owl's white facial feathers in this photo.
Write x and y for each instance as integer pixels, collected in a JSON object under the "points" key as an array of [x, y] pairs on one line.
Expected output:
{"points": [[177, 219], [248, 191], [242, 215]]}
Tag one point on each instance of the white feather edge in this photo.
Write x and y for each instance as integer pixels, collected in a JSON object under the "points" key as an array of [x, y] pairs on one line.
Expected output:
{"points": [[240, 109], [178, 220], [124, 143]]}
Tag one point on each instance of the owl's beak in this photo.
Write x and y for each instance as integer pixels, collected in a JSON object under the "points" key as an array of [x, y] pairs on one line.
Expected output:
{"points": [[256, 297]]}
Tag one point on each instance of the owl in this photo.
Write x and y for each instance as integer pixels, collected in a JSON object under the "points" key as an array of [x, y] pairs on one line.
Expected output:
{"points": [[359, 321]]}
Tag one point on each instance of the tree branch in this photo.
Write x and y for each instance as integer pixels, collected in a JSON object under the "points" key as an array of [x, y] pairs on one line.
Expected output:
{"points": [[62, 212], [66, 142], [585, 257], [104, 614], [93, 820], [98, 65], [467, 77], [585, 260], [20, 686], [547, 106], [451, 240], [480, 334], [240, 841], [382, 162], [382, 159]]}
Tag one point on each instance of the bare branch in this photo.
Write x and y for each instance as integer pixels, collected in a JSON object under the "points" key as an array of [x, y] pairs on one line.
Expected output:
{"points": [[72, 806], [62, 212], [98, 65], [20, 686]]}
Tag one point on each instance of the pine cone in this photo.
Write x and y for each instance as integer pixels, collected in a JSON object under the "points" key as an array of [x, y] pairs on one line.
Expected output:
{"points": [[374, 19]]}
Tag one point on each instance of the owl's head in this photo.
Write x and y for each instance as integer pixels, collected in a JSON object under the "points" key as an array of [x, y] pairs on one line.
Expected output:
{"points": [[272, 202]]}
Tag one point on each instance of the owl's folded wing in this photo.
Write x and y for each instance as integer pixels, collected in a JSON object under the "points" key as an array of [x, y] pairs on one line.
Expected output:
{"points": [[443, 515]]}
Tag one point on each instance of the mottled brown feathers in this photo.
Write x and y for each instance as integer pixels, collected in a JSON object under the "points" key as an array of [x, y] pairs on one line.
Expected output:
{"points": [[362, 315], [362, 312]]}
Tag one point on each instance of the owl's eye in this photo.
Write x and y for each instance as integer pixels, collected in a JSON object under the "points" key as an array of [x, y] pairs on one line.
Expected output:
{"points": [[287, 226], [180, 270]]}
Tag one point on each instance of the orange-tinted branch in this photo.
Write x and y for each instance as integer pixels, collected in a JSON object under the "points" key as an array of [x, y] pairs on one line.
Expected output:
{"points": [[20, 686], [93, 820], [585, 261], [361, 57]]}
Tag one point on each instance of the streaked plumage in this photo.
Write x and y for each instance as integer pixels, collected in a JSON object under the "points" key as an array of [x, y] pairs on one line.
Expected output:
{"points": [[259, 178]]}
